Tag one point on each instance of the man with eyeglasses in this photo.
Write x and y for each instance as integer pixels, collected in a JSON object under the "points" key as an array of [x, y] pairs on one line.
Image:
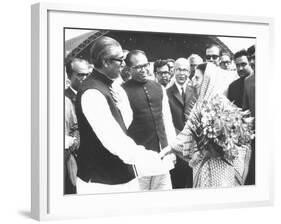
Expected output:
{"points": [[76, 70], [152, 122], [213, 53], [108, 160], [225, 62], [162, 72], [181, 96]]}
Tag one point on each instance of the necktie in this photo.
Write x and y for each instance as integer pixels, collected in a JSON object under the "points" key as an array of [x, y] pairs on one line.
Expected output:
{"points": [[182, 95]]}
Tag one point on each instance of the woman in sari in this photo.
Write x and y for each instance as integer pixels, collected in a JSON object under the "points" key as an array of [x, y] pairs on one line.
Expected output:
{"points": [[209, 168]]}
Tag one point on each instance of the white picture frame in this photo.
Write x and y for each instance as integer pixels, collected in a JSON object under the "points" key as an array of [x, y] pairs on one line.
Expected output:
{"points": [[47, 201]]}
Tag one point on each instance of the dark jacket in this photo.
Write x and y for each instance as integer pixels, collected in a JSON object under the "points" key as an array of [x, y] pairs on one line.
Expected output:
{"points": [[179, 109], [235, 92], [181, 175], [249, 94]]}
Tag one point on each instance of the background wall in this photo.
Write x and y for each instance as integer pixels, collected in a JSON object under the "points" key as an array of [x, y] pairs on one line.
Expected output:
{"points": [[15, 111]]}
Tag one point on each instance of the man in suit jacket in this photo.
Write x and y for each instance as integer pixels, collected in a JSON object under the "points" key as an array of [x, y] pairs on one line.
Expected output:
{"points": [[249, 104], [249, 94], [181, 97], [76, 70], [236, 88]]}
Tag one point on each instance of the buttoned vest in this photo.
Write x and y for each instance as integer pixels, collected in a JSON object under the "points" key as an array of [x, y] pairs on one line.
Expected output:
{"points": [[147, 127], [95, 162]]}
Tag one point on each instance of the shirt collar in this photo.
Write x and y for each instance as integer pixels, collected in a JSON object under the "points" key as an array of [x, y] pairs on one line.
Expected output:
{"points": [[73, 90], [181, 86]]}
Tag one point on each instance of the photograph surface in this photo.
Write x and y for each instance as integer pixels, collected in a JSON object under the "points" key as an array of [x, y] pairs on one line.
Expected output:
{"points": [[154, 111]]}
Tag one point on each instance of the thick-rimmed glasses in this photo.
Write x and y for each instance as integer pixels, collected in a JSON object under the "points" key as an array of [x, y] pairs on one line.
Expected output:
{"points": [[121, 60], [140, 67], [226, 62], [164, 73], [82, 75], [213, 57], [182, 70]]}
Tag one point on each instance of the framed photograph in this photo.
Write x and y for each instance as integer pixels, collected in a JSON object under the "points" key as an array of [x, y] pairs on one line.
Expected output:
{"points": [[64, 33]]}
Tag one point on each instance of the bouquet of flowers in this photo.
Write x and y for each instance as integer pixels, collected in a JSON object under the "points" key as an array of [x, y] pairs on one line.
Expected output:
{"points": [[219, 127]]}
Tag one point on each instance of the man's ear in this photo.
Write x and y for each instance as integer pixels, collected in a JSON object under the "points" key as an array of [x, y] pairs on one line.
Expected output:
{"points": [[104, 63]]}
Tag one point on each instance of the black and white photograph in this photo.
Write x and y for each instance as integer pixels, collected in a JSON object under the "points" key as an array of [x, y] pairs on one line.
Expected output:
{"points": [[143, 112], [157, 111]]}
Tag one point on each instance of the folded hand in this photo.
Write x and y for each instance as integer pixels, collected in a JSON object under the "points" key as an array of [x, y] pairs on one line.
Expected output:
{"points": [[166, 151]]}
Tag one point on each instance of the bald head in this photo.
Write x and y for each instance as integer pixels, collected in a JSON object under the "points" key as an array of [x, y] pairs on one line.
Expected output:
{"points": [[182, 62], [194, 60], [182, 70]]}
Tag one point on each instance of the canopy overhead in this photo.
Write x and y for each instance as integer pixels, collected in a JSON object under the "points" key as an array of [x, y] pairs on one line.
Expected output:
{"points": [[155, 45]]}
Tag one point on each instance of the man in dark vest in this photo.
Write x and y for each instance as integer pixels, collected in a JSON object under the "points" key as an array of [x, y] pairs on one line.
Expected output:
{"points": [[108, 160], [77, 70], [152, 123], [181, 98]]}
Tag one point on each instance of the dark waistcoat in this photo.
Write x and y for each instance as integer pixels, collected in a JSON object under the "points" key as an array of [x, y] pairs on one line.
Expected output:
{"points": [[70, 94], [95, 162], [147, 127]]}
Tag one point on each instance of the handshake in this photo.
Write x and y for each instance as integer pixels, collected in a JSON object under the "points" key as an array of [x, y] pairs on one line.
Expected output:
{"points": [[167, 154]]}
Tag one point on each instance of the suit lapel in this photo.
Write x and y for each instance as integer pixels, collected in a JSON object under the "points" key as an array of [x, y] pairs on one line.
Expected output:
{"points": [[177, 95], [190, 99]]}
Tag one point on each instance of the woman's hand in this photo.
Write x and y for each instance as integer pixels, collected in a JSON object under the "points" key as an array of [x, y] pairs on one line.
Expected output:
{"points": [[166, 151]]}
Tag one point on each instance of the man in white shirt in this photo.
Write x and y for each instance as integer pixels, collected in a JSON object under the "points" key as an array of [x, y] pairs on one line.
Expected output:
{"points": [[77, 70], [108, 160]]}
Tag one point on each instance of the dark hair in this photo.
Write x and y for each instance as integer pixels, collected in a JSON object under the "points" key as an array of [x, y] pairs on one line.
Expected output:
{"points": [[131, 54], [202, 67], [100, 49], [170, 60], [214, 45], [251, 50], [160, 63], [240, 53], [69, 65]]}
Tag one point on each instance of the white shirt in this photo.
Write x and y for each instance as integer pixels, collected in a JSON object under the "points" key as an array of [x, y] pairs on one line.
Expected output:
{"points": [[167, 118], [73, 90], [98, 114], [123, 103], [181, 86]]}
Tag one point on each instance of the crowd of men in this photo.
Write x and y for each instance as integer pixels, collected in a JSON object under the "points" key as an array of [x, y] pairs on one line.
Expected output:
{"points": [[122, 109]]}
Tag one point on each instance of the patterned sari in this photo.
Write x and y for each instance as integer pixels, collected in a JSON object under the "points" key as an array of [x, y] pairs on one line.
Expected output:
{"points": [[210, 170]]}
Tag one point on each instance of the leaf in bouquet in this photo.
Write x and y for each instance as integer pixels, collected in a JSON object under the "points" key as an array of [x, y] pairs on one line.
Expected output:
{"points": [[202, 143], [194, 134]]}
